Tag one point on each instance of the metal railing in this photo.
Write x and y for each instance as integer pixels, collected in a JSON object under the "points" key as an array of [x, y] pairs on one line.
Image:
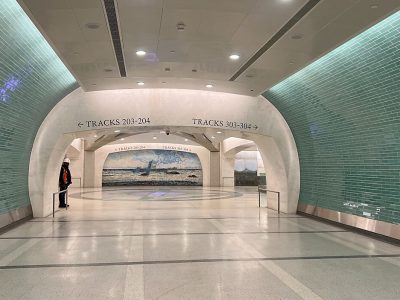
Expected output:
{"points": [[263, 188], [66, 198]]}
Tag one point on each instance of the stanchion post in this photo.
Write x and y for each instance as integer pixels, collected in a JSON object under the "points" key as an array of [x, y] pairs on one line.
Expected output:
{"points": [[66, 199], [53, 205], [279, 202], [259, 197]]}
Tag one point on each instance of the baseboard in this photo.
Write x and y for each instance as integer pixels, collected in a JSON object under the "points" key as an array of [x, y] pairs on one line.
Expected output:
{"points": [[365, 224]]}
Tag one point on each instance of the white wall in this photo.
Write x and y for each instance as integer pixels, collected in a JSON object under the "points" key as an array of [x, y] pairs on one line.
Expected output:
{"points": [[73, 116]]}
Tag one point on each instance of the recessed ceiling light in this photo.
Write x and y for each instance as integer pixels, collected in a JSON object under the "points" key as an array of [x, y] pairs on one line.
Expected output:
{"points": [[92, 25], [234, 56], [116, 131], [122, 139], [297, 36], [249, 75], [209, 86], [291, 62], [154, 137], [140, 83], [219, 132], [108, 70], [93, 84], [162, 131], [374, 6], [186, 140], [213, 137], [95, 135], [140, 53]]}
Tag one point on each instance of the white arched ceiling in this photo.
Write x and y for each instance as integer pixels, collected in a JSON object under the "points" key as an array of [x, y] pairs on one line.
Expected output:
{"points": [[81, 113], [231, 146]]}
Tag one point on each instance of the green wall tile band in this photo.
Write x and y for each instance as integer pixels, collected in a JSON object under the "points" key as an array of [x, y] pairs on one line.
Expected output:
{"points": [[344, 112], [32, 80]]}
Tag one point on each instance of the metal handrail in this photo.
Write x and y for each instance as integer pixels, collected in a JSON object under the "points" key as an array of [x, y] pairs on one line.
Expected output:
{"points": [[66, 198], [262, 189]]}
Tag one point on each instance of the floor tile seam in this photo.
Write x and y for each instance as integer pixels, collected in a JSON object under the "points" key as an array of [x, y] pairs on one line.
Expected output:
{"points": [[207, 260], [273, 268], [167, 234], [159, 219], [337, 240], [24, 247], [355, 246]]}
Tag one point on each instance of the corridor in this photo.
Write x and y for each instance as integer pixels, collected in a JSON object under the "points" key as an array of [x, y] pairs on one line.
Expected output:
{"points": [[189, 243]]}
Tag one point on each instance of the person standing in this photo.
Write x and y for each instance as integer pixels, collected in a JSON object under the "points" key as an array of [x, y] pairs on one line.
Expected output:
{"points": [[64, 181]]}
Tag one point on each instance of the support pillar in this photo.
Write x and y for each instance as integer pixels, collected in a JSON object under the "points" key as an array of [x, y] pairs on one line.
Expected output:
{"points": [[215, 169]]}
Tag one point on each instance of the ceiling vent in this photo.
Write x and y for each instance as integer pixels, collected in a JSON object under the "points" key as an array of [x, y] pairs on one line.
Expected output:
{"points": [[109, 6]]}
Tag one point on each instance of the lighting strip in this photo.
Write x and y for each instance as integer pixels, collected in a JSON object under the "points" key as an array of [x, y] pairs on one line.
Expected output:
{"points": [[297, 17]]}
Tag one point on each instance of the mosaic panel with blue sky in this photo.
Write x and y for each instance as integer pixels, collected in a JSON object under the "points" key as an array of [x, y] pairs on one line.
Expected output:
{"points": [[152, 167]]}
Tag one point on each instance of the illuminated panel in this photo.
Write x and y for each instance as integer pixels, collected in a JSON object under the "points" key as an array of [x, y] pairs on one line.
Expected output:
{"points": [[32, 80]]}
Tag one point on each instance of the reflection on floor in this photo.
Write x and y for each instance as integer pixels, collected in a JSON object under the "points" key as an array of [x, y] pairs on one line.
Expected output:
{"points": [[189, 243]]}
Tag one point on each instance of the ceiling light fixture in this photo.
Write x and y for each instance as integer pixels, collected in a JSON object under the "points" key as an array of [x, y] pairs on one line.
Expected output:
{"points": [[140, 83], [374, 6], [92, 25], [234, 56], [116, 131], [180, 26], [213, 137], [297, 36], [209, 86], [219, 132], [186, 140], [95, 136], [154, 137], [122, 139], [140, 53]]}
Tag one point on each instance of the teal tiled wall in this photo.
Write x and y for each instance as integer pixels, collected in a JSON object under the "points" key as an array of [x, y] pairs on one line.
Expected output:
{"points": [[32, 81], [344, 112]]}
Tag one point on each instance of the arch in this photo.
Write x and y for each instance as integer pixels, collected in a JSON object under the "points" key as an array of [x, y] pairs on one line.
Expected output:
{"points": [[80, 113]]}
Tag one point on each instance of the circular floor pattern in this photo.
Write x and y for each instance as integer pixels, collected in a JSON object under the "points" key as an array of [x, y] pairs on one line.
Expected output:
{"points": [[160, 194]]}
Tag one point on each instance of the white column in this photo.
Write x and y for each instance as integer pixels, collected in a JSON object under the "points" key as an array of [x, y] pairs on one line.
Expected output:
{"points": [[89, 169], [215, 169]]}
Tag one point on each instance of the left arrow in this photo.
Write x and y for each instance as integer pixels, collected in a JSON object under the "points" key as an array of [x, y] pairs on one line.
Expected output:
{"points": [[80, 124]]}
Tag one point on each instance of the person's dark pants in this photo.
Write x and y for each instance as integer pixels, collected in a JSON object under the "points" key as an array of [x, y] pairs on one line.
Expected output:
{"points": [[61, 196]]}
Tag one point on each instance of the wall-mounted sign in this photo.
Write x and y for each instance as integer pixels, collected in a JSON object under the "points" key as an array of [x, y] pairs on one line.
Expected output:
{"points": [[225, 124], [140, 121]]}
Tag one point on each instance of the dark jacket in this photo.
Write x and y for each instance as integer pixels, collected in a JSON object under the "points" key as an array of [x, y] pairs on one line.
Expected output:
{"points": [[61, 182]]}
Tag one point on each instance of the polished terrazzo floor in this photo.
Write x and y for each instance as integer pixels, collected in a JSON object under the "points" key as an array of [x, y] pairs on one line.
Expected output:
{"points": [[190, 243]]}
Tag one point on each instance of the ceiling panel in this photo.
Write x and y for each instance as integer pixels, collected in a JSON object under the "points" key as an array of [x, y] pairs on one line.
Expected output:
{"points": [[214, 29]]}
